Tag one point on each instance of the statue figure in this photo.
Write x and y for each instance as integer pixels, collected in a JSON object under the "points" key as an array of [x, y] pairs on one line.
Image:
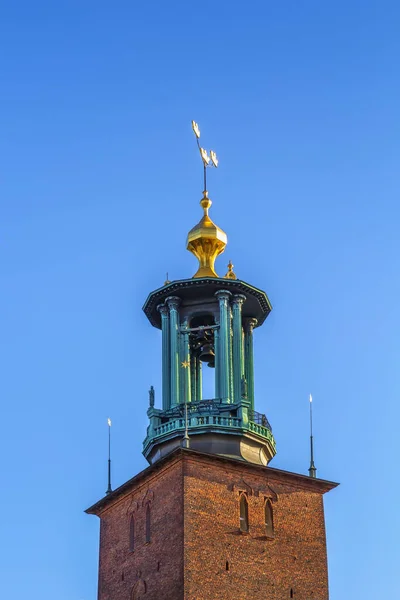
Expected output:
{"points": [[244, 387], [151, 396]]}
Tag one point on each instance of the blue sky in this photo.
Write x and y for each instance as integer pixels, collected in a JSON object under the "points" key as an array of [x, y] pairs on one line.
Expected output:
{"points": [[100, 182]]}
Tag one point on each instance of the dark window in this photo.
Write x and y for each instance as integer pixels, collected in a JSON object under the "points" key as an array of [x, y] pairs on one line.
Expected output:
{"points": [[148, 524], [269, 520], [244, 513], [138, 590], [227, 565], [291, 593], [132, 534]]}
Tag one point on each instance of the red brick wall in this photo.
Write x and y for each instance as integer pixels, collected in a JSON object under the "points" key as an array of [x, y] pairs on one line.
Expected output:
{"points": [[258, 567], [194, 503], [156, 567]]}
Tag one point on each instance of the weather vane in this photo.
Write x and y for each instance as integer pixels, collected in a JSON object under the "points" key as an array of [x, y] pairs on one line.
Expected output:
{"points": [[208, 160]]}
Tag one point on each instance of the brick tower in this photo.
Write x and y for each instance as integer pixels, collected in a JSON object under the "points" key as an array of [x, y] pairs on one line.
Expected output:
{"points": [[209, 518]]}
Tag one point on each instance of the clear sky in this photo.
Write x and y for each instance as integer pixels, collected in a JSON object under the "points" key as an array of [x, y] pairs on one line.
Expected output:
{"points": [[100, 182]]}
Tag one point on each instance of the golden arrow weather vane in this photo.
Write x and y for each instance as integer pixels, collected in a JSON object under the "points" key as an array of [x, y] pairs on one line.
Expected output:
{"points": [[208, 160]]}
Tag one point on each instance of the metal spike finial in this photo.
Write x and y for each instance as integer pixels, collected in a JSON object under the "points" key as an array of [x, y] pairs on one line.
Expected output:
{"points": [[109, 489], [230, 274], [312, 471], [209, 160]]}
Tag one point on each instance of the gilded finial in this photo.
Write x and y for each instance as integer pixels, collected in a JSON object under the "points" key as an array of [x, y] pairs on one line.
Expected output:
{"points": [[206, 241], [230, 274], [167, 281]]}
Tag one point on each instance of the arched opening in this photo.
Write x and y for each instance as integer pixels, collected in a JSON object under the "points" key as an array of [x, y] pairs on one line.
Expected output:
{"points": [[132, 534], [148, 524], [138, 590], [244, 513], [227, 565], [269, 520], [291, 592], [202, 345]]}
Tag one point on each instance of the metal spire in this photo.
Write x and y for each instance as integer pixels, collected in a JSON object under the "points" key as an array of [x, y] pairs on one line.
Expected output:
{"points": [[109, 490], [312, 471]]}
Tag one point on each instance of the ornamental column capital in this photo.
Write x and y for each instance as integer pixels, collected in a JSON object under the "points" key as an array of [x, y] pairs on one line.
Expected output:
{"points": [[163, 309], [250, 324], [239, 299], [223, 295], [173, 302]]}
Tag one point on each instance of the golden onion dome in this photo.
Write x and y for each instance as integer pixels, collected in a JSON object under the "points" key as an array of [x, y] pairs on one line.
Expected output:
{"points": [[206, 241]]}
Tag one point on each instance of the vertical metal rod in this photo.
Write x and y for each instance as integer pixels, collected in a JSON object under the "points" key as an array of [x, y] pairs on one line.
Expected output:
{"points": [[109, 490], [312, 470], [186, 441], [204, 165], [199, 379]]}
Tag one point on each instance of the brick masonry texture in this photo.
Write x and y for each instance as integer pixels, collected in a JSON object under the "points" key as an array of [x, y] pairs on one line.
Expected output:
{"points": [[258, 567], [197, 551], [153, 570]]}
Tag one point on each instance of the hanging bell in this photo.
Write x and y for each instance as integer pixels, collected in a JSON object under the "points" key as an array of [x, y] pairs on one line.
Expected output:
{"points": [[207, 355]]}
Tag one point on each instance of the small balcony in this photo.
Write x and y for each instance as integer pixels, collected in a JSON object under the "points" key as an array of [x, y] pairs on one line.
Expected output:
{"points": [[198, 422], [205, 416]]}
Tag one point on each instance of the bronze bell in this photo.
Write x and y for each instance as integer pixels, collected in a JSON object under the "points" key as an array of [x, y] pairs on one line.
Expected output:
{"points": [[207, 355]]}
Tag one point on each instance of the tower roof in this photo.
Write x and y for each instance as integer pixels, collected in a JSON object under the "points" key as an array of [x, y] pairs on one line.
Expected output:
{"points": [[257, 305]]}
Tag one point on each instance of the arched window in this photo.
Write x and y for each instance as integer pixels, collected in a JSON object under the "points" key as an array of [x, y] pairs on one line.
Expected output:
{"points": [[269, 521], [132, 534], [244, 513], [148, 524], [138, 590]]}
